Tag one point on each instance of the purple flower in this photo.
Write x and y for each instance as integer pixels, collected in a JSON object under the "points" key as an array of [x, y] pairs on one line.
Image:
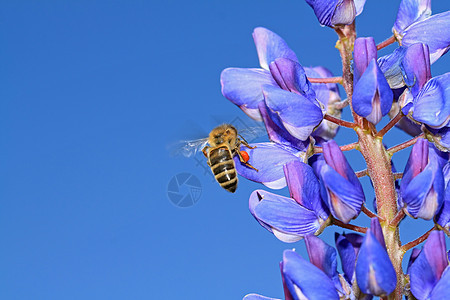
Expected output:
{"points": [[390, 66], [340, 187], [365, 50], [375, 273], [432, 104], [280, 87], [336, 12], [295, 113], [426, 270], [324, 257], [283, 216], [411, 11], [243, 86], [328, 95], [442, 218], [432, 31], [422, 185], [302, 279], [348, 246], [416, 67], [290, 219], [440, 137], [372, 96], [268, 159]]}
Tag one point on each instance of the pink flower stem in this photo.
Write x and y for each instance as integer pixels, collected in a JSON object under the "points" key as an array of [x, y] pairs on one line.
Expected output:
{"points": [[326, 80], [391, 124], [405, 144], [386, 43], [339, 121], [417, 241]]}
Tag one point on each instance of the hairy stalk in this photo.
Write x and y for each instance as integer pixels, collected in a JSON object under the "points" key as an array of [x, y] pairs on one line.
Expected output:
{"points": [[391, 124], [342, 104], [397, 219], [404, 145], [417, 241], [361, 173], [339, 121], [326, 80], [349, 226], [343, 148], [386, 43], [378, 163], [368, 212]]}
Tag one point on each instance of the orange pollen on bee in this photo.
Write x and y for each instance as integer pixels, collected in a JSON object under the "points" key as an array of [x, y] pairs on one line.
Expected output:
{"points": [[245, 156]]}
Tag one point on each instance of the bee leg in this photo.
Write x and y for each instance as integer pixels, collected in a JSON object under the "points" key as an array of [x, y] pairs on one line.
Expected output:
{"points": [[244, 142], [204, 151], [244, 162]]}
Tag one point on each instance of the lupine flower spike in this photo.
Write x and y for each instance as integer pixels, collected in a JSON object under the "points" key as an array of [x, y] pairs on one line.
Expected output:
{"points": [[302, 111]]}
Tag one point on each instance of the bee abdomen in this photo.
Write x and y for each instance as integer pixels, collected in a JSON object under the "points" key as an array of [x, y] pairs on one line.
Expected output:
{"points": [[222, 166]]}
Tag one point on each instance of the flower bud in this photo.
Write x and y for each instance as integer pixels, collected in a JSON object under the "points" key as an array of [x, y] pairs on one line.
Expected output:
{"points": [[426, 270], [372, 97], [340, 187], [365, 50], [422, 185], [336, 12], [301, 278], [375, 273], [282, 216]]}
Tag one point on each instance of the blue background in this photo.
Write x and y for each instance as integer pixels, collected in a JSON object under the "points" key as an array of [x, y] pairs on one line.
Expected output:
{"points": [[92, 92]]}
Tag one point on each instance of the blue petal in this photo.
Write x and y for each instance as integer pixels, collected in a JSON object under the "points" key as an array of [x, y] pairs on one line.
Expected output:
{"points": [[414, 254], [432, 104], [359, 5], [441, 290], [341, 187], [271, 46], [243, 87], [427, 269], [365, 50], [302, 279], [390, 66], [440, 137], [417, 161], [443, 217], [257, 297], [411, 11], [278, 134], [334, 12], [343, 198], [348, 252], [296, 113], [304, 187], [432, 31], [291, 77], [328, 95], [372, 97], [287, 220], [416, 67], [269, 159], [375, 274], [424, 194], [375, 228], [323, 256]]}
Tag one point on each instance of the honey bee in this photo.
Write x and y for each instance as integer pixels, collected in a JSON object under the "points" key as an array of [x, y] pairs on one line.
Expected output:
{"points": [[222, 144]]}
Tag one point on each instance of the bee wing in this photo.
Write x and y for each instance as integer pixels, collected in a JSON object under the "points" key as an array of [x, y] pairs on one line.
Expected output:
{"points": [[252, 133], [189, 148]]}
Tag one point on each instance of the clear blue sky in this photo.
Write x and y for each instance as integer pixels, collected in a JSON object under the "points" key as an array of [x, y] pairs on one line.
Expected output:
{"points": [[91, 94]]}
